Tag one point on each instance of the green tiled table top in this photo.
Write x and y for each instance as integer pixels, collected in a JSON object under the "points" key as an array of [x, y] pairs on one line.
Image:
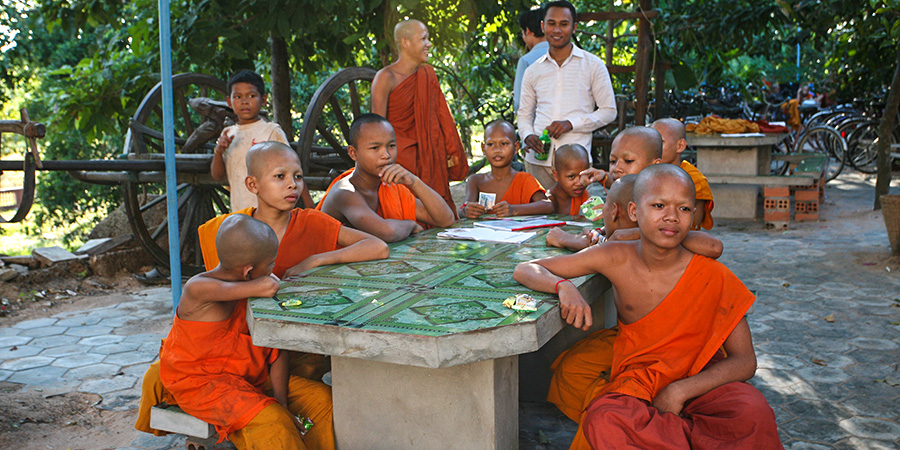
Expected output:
{"points": [[427, 287]]}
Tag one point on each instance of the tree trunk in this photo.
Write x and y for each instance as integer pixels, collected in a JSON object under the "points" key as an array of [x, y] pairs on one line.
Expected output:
{"points": [[281, 84], [883, 180]]}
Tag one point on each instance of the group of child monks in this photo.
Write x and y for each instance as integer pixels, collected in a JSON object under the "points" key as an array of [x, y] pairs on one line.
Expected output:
{"points": [[671, 375]]}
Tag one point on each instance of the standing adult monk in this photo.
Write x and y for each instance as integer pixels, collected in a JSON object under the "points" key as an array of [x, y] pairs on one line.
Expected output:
{"points": [[408, 94]]}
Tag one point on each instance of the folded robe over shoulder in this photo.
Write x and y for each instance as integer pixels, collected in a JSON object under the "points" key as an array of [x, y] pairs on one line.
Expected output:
{"points": [[428, 142], [395, 201], [523, 186], [701, 185]]}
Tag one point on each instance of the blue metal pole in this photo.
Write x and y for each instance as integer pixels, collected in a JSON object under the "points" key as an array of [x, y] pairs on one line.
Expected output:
{"points": [[798, 57], [165, 63]]}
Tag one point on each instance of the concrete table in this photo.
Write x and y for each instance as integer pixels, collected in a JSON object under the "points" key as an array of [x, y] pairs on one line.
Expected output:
{"points": [[730, 160], [424, 355]]}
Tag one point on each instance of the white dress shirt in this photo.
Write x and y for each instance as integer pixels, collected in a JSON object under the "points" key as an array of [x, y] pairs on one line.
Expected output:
{"points": [[579, 91]]}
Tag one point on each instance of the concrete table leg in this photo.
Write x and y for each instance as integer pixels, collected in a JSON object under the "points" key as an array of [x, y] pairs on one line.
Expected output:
{"points": [[733, 201], [390, 406]]}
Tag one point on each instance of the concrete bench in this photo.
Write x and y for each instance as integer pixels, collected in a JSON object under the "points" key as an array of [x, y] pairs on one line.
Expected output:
{"points": [[201, 435], [806, 197]]}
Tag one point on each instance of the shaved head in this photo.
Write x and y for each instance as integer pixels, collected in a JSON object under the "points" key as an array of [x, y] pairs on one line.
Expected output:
{"points": [[673, 126], [508, 127], [622, 191], [641, 139], [662, 173], [407, 29], [260, 154], [244, 241], [569, 153]]}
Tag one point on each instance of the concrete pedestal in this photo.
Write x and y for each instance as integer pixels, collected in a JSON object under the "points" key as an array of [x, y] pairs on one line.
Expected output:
{"points": [[390, 406]]}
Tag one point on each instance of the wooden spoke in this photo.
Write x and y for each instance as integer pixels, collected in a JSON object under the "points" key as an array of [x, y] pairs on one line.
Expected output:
{"points": [[339, 115], [354, 100]]}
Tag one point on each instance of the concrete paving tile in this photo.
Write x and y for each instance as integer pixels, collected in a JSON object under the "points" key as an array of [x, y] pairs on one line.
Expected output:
{"points": [[855, 443], [828, 332], [782, 415], [136, 370], [782, 348], [9, 331], [4, 374], [821, 391], [829, 359], [12, 341], [144, 337], [151, 442], [55, 341], [776, 379], [866, 385], [65, 350], [875, 301], [837, 286], [109, 311], [827, 345], [874, 357], [839, 305], [783, 362], [877, 407], [79, 320], [116, 322], [803, 445], [795, 316], [866, 427], [28, 324], [101, 340], [102, 386], [805, 409], [874, 344], [73, 361], [150, 347], [823, 374], [43, 331], [887, 311], [758, 328], [40, 376], [125, 400], [815, 430], [90, 330], [20, 351], [110, 349], [28, 362], [129, 358], [93, 371]]}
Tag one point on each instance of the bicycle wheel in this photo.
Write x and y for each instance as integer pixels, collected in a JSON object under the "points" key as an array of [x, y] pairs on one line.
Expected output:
{"points": [[862, 145], [827, 141], [780, 166]]}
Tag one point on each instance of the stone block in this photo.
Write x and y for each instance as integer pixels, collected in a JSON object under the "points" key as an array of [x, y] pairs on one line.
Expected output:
{"points": [[102, 245], [21, 260], [49, 256], [8, 274], [174, 420], [129, 260]]}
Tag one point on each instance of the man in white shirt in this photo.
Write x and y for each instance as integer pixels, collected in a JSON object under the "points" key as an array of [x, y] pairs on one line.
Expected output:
{"points": [[535, 42], [567, 92]]}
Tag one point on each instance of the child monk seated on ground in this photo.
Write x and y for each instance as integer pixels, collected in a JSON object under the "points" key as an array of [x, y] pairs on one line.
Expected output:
{"points": [[213, 370], [515, 193], [570, 190], [583, 369], [670, 386], [672, 131], [379, 196], [633, 149], [306, 239]]}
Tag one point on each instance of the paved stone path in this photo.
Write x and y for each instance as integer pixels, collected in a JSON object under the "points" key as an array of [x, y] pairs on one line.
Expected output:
{"points": [[833, 385]]}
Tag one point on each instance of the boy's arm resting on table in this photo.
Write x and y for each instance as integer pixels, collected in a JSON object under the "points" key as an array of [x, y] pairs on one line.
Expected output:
{"points": [[556, 237], [354, 208], [472, 209], [540, 204], [698, 242], [208, 289], [357, 246], [279, 374], [739, 365]]}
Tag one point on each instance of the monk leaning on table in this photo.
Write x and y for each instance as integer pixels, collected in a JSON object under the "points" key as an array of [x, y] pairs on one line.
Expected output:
{"points": [[306, 239], [670, 385], [378, 195], [408, 94]]}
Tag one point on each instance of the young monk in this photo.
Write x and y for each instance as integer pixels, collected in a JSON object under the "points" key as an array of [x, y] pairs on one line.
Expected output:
{"points": [[307, 239], [211, 367], [518, 193], [580, 371], [670, 386], [632, 150], [570, 190], [379, 196], [672, 132]]}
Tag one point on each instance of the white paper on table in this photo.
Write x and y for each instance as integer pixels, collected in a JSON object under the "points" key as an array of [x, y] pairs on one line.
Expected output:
{"points": [[579, 224], [486, 234], [743, 135]]}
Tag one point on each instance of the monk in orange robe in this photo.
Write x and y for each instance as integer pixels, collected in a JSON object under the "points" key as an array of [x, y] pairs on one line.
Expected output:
{"points": [[515, 193], [307, 239], [380, 196], [675, 310], [570, 190], [408, 94], [672, 132]]}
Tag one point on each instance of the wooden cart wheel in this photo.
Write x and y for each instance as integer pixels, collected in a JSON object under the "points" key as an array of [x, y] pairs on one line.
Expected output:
{"points": [[326, 124], [200, 198]]}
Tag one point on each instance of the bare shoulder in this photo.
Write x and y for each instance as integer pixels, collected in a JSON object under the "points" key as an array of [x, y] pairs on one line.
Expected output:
{"points": [[385, 79]]}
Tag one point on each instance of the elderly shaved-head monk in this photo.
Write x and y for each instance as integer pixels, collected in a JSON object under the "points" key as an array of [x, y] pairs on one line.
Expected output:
{"points": [[408, 94], [671, 385]]}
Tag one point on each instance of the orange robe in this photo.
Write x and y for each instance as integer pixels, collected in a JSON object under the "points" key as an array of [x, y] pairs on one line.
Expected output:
{"points": [[394, 201], [215, 372], [675, 341], [703, 193], [575, 209], [428, 142], [523, 186], [580, 372]]}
